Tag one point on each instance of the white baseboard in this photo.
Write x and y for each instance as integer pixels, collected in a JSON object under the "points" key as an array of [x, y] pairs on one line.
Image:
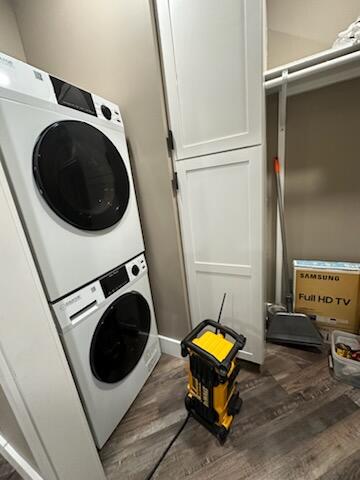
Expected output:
{"points": [[24, 469], [171, 346]]}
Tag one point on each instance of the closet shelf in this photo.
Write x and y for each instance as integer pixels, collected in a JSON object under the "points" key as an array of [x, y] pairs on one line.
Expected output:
{"points": [[316, 71]]}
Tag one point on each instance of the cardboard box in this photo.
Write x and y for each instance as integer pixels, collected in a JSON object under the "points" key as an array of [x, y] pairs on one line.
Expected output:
{"points": [[328, 292]]}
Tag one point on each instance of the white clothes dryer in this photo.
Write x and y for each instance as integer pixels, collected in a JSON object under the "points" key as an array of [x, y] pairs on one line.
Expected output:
{"points": [[65, 154]]}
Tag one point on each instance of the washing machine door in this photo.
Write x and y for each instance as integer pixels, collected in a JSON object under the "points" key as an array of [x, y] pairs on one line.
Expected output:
{"points": [[120, 338], [81, 175]]}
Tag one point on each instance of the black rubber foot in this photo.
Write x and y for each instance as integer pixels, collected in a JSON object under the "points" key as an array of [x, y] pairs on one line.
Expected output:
{"points": [[235, 405], [220, 432], [222, 435]]}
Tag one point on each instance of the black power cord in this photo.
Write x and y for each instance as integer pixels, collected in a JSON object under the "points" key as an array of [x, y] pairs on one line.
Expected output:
{"points": [[149, 476]]}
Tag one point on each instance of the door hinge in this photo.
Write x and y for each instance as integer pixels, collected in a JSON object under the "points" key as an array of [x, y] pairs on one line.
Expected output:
{"points": [[170, 141], [174, 182]]}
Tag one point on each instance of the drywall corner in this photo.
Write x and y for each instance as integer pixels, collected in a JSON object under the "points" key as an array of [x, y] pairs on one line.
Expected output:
{"points": [[10, 38]]}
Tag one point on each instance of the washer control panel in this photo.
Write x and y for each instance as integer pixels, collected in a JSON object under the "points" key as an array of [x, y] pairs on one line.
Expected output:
{"points": [[122, 275], [77, 306], [135, 268]]}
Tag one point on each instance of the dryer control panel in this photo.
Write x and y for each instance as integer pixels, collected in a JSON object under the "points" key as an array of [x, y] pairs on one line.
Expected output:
{"points": [[17, 76], [74, 97], [78, 305]]}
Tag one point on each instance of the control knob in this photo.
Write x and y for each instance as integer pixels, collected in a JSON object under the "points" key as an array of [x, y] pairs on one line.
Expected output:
{"points": [[106, 112], [135, 270]]}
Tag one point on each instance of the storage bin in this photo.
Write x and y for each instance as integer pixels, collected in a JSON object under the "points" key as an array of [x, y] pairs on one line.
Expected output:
{"points": [[346, 370]]}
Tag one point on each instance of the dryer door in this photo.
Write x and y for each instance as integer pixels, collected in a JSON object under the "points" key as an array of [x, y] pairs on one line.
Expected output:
{"points": [[120, 338], [81, 175]]}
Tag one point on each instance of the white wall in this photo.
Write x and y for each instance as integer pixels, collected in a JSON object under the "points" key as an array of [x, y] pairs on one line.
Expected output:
{"points": [[11, 44], [284, 48], [10, 430], [298, 28], [10, 40], [322, 198], [322, 194]]}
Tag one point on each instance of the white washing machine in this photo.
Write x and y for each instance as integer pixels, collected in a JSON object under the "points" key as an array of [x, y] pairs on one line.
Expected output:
{"points": [[65, 154], [109, 333]]}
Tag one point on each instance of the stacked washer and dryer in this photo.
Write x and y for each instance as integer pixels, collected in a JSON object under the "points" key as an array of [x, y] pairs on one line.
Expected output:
{"points": [[65, 155]]}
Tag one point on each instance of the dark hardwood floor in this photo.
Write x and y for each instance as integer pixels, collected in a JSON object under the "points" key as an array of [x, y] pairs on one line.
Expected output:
{"points": [[7, 472], [296, 423]]}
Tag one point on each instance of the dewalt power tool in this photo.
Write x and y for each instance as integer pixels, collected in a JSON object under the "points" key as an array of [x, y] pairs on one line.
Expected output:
{"points": [[213, 394]]}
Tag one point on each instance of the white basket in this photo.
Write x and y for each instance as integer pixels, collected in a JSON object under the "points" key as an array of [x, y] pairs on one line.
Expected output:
{"points": [[345, 369]]}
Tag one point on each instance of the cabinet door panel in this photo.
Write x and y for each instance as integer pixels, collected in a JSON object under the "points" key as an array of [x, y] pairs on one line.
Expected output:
{"points": [[212, 61], [221, 212]]}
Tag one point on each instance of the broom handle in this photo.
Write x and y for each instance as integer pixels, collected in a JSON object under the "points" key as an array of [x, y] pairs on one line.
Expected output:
{"points": [[283, 235]]}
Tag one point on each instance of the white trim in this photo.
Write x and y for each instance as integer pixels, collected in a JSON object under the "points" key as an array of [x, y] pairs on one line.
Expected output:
{"points": [[171, 346], [23, 417], [24, 469]]}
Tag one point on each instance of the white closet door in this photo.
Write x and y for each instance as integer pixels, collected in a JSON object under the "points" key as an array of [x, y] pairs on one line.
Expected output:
{"points": [[212, 60], [222, 217]]}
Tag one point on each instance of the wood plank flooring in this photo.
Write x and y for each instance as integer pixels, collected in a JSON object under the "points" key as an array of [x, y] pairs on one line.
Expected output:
{"points": [[296, 423], [7, 472]]}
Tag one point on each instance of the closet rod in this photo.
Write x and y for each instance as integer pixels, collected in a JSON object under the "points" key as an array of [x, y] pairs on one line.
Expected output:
{"points": [[314, 69]]}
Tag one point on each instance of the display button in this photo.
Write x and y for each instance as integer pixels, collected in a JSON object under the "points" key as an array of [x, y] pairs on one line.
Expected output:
{"points": [[135, 270], [106, 112]]}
